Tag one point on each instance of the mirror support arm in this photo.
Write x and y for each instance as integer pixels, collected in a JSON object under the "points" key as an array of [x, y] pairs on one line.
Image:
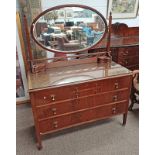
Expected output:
{"points": [[30, 56], [109, 34]]}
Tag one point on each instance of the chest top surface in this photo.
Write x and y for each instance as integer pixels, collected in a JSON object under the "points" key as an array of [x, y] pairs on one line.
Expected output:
{"points": [[69, 75]]}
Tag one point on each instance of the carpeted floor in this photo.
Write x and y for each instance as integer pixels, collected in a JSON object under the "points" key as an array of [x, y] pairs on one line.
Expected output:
{"points": [[106, 137]]}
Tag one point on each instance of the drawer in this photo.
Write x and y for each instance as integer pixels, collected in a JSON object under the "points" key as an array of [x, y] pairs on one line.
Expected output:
{"points": [[113, 84], [110, 97], [128, 51], [129, 61], [53, 95], [64, 121], [133, 67], [110, 110], [64, 107]]}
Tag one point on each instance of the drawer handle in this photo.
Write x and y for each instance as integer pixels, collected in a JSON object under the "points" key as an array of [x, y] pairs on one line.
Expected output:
{"points": [[115, 98], [114, 110], [53, 97], [77, 96], [45, 97], [127, 52], [116, 85], [55, 124], [54, 111], [126, 62]]}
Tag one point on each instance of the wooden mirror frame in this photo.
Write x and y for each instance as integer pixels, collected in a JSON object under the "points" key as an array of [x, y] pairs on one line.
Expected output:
{"points": [[62, 6]]}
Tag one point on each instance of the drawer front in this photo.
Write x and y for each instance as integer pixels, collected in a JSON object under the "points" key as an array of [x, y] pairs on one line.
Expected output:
{"points": [[110, 110], [113, 84], [57, 123], [111, 97], [53, 95], [129, 61], [64, 121], [133, 67], [64, 107], [128, 51]]}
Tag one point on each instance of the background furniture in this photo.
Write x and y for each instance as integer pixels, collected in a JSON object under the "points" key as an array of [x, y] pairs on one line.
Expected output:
{"points": [[66, 45], [134, 89], [124, 45]]}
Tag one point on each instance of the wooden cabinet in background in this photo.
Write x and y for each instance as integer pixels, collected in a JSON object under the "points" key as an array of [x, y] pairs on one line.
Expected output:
{"points": [[126, 56]]}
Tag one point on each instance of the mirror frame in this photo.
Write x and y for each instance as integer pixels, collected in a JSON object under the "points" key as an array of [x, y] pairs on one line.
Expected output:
{"points": [[63, 6]]}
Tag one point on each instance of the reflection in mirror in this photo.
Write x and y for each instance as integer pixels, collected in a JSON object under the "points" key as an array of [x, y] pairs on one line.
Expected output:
{"points": [[69, 29]]}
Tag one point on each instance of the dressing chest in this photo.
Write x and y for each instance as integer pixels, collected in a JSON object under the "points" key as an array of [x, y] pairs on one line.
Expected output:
{"points": [[81, 87], [74, 95]]}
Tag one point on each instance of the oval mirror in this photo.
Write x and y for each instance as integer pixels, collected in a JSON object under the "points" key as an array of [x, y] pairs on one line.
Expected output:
{"points": [[68, 28]]}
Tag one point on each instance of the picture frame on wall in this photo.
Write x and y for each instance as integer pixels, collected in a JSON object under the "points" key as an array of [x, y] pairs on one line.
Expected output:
{"points": [[123, 8]]}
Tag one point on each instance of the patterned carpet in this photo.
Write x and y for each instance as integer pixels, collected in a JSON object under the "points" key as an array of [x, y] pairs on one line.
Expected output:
{"points": [[106, 137]]}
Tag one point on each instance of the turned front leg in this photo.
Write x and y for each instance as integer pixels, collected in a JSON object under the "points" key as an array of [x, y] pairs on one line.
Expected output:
{"points": [[124, 118], [39, 143]]}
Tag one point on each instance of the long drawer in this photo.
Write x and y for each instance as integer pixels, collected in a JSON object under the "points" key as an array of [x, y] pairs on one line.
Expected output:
{"points": [[55, 95], [69, 120], [81, 103]]}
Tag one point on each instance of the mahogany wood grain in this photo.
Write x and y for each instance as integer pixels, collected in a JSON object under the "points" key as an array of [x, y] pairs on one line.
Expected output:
{"points": [[73, 104]]}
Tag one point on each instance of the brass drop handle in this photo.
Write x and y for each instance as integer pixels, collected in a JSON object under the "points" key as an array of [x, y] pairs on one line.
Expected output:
{"points": [[76, 89], [54, 111], [116, 85], [52, 97], [77, 95], [125, 53], [126, 62], [113, 110], [55, 124], [115, 98]]}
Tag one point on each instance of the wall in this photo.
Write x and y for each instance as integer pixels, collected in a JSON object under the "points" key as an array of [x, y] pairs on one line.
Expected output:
{"points": [[100, 5]]}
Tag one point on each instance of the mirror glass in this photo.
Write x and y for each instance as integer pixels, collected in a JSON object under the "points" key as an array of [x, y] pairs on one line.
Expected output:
{"points": [[68, 29]]}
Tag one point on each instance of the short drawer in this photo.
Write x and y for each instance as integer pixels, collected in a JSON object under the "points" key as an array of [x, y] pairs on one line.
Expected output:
{"points": [[133, 67], [110, 110], [128, 51], [53, 95], [113, 84], [129, 61], [106, 98]]}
